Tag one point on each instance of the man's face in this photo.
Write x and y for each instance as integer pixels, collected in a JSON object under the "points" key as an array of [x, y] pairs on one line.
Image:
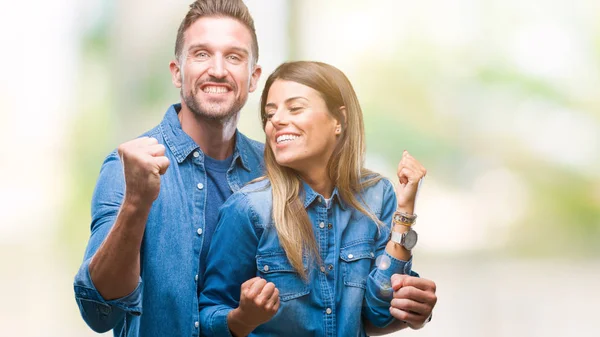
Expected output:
{"points": [[216, 69]]}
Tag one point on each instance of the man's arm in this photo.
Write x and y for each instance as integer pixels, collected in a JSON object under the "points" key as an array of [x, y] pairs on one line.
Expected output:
{"points": [[108, 283], [414, 300], [115, 268], [372, 330]]}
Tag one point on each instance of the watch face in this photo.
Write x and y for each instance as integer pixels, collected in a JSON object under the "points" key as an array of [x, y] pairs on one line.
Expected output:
{"points": [[410, 239]]}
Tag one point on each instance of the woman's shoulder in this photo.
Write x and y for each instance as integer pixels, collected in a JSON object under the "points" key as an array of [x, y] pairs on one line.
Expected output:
{"points": [[255, 198], [256, 188]]}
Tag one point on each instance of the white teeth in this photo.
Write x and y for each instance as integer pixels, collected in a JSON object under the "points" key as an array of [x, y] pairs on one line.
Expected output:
{"points": [[286, 138], [214, 90]]}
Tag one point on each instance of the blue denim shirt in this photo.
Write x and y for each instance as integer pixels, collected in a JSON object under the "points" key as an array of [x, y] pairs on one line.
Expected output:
{"points": [[338, 294], [167, 290]]}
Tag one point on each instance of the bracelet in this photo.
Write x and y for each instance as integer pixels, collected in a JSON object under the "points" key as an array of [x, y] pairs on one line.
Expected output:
{"points": [[404, 219]]}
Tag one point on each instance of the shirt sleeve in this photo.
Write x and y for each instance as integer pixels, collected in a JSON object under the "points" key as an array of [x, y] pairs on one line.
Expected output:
{"points": [[102, 315], [378, 294], [231, 261]]}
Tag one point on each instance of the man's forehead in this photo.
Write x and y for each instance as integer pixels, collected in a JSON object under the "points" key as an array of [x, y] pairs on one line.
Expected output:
{"points": [[218, 32]]}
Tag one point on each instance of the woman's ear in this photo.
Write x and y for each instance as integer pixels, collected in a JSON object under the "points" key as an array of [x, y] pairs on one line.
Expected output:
{"points": [[341, 125]]}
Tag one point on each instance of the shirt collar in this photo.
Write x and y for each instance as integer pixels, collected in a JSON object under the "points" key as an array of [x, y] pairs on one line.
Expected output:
{"points": [[181, 144], [240, 153], [310, 196]]}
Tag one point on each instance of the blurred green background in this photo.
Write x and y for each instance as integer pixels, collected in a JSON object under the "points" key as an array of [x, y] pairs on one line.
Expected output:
{"points": [[499, 100]]}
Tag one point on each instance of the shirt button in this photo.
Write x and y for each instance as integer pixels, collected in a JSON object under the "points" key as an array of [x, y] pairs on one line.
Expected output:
{"points": [[350, 256], [319, 199], [328, 311], [196, 154], [196, 278], [322, 269], [330, 267], [104, 310], [197, 324], [200, 186], [199, 231], [266, 268], [322, 225], [372, 254], [330, 226]]}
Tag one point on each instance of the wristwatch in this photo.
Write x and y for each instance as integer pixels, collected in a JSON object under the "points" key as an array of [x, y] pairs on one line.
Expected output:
{"points": [[407, 239]]}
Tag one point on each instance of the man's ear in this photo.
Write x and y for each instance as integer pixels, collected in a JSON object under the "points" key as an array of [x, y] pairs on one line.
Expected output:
{"points": [[255, 77], [175, 73]]}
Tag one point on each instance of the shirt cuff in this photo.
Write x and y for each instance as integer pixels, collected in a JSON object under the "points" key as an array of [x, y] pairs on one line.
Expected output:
{"points": [[383, 276], [218, 321], [86, 291]]}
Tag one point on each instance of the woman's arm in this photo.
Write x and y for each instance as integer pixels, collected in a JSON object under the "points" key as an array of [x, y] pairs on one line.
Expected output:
{"points": [[393, 259], [230, 263]]}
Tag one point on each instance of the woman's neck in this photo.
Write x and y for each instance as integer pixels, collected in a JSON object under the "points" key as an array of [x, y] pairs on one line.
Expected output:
{"points": [[319, 181]]}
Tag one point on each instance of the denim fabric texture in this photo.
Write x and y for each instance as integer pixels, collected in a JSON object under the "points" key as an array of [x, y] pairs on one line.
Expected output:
{"points": [[167, 293], [344, 288]]}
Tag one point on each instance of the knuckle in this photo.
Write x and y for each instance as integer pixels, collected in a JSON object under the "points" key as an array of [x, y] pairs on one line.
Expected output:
{"points": [[401, 315], [434, 299]]}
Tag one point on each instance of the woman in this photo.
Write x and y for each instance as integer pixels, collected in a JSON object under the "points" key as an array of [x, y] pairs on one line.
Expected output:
{"points": [[295, 252]]}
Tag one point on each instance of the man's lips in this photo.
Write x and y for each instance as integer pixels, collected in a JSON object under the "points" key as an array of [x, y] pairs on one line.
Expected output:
{"points": [[215, 88]]}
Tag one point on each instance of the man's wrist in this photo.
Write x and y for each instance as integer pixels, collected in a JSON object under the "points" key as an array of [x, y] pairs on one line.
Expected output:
{"points": [[237, 324], [135, 206]]}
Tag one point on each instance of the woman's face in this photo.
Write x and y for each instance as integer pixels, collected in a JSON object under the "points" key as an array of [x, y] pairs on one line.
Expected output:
{"points": [[300, 130]]}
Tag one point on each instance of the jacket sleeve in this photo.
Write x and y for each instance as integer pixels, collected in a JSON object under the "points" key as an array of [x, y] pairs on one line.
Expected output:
{"points": [[378, 294], [102, 315], [231, 262]]}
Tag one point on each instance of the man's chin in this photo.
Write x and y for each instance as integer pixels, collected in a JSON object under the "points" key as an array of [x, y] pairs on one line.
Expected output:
{"points": [[215, 112]]}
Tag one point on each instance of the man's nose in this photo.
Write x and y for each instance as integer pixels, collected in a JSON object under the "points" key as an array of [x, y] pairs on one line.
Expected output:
{"points": [[217, 67]]}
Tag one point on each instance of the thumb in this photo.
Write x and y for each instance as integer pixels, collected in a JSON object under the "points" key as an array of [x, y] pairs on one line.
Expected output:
{"points": [[397, 280]]}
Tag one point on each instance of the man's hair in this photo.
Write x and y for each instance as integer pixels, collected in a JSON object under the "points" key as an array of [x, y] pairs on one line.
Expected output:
{"points": [[235, 9]]}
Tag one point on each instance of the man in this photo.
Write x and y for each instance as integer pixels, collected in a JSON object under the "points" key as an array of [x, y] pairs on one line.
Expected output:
{"points": [[156, 200]]}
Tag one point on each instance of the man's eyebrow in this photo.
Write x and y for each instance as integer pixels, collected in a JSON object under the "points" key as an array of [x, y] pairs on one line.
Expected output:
{"points": [[198, 46], [239, 50]]}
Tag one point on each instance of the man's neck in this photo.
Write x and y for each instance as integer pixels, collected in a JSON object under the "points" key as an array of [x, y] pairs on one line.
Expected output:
{"points": [[216, 138]]}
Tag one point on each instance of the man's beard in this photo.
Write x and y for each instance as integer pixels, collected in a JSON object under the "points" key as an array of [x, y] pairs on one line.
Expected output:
{"points": [[213, 111]]}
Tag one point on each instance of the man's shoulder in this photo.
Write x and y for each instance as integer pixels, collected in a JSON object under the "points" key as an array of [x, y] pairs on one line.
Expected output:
{"points": [[155, 132], [251, 144]]}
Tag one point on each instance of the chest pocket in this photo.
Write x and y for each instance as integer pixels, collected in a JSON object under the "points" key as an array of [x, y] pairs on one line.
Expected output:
{"points": [[357, 258], [277, 269]]}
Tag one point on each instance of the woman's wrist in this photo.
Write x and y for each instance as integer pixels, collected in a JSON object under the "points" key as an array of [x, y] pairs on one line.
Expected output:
{"points": [[409, 209]]}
